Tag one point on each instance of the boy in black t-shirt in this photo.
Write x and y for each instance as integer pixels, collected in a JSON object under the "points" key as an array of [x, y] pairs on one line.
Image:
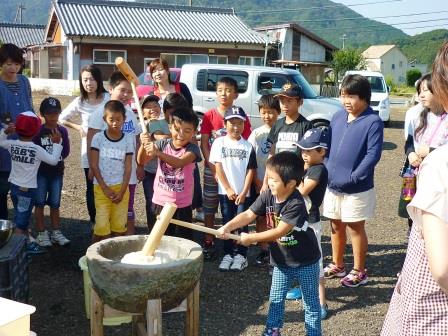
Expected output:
{"points": [[314, 145], [290, 129], [293, 245]]}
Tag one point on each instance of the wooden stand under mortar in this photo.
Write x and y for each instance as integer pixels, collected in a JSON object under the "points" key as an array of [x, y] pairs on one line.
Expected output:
{"points": [[154, 306], [153, 316]]}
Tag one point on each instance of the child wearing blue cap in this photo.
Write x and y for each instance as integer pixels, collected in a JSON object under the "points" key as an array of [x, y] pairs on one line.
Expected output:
{"points": [[314, 145]]}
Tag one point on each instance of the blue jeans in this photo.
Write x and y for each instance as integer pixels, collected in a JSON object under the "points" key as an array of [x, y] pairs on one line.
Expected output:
{"points": [[23, 201], [308, 278], [49, 191], [229, 210]]}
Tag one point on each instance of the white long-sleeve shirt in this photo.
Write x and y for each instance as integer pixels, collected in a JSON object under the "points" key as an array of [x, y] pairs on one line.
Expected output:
{"points": [[26, 157]]}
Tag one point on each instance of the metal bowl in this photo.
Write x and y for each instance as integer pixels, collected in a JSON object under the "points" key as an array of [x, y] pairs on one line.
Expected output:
{"points": [[6, 230]]}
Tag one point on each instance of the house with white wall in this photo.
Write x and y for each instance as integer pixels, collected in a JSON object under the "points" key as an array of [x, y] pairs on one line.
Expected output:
{"points": [[387, 59], [297, 45]]}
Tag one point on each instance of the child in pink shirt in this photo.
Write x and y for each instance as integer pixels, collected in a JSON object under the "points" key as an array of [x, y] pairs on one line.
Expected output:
{"points": [[174, 177]]}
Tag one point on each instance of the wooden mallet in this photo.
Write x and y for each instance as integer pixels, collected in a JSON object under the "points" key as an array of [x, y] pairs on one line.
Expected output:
{"points": [[126, 70], [201, 228], [163, 220]]}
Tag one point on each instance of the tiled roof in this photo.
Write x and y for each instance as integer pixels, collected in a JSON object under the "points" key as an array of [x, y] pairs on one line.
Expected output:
{"points": [[132, 20], [22, 35], [376, 51]]}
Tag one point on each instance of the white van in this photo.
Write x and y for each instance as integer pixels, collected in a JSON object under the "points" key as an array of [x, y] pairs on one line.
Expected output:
{"points": [[379, 101], [253, 82]]}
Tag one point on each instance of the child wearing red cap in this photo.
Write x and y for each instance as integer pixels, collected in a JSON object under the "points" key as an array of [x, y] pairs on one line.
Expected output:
{"points": [[26, 157]]}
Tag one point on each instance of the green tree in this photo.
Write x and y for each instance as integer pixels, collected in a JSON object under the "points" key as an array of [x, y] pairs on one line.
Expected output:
{"points": [[412, 75], [347, 59]]}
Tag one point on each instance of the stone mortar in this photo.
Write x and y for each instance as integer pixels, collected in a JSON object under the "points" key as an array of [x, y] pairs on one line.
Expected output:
{"points": [[128, 287]]}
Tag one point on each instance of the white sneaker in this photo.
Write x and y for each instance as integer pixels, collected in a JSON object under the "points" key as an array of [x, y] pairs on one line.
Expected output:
{"points": [[43, 239], [31, 238], [59, 238], [239, 263], [199, 216], [226, 262]]}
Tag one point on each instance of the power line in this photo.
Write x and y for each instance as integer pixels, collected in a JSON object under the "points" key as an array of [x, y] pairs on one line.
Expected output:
{"points": [[385, 29], [321, 7], [373, 26], [373, 18]]}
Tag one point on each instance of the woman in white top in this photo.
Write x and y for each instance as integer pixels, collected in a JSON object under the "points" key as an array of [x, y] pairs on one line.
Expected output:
{"points": [[419, 305], [93, 97]]}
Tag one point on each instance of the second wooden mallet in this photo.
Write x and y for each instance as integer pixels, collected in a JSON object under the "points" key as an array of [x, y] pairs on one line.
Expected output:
{"points": [[126, 70]]}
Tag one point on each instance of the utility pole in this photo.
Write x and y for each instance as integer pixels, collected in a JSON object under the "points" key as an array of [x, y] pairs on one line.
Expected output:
{"points": [[19, 13], [343, 38], [266, 46]]}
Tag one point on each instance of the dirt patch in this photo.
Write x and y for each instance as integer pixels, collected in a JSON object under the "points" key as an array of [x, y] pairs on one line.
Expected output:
{"points": [[231, 303]]}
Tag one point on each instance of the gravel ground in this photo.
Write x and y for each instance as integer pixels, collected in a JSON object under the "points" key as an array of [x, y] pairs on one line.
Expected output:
{"points": [[231, 303]]}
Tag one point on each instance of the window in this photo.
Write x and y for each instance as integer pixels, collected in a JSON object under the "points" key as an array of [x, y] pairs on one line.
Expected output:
{"points": [[207, 79], [257, 61], [376, 84], [201, 58], [393, 66], [401, 64], [243, 60], [177, 60], [247, 60], [107, 56], [170, 58], [146, 61], [270, 83], [181, 60], [217, 59]]}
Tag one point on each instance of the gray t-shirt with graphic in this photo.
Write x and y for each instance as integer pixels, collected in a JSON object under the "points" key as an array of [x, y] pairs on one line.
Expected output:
{"points": [[112, 156]]}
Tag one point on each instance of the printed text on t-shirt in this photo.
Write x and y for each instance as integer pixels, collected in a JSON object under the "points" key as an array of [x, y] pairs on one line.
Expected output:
{"points": [[24, 155], [234, 152]]}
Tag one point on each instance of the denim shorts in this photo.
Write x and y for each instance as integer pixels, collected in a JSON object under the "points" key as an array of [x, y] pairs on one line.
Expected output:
{"points": [[49, 191], [23, 201]]}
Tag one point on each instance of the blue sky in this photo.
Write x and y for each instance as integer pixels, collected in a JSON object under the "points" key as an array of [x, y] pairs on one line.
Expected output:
{"points": [[405, 7]]}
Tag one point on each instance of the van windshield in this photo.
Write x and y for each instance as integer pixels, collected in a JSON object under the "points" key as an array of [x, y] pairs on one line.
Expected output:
{"points": [[376, 84], [271, 83]]}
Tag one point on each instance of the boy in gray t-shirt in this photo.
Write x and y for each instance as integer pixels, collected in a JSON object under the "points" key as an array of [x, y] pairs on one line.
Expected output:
{"points": [[112, 152]]}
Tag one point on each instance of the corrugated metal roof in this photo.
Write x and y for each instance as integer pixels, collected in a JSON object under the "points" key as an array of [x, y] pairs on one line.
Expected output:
{"points": [[22, 35], [129, 20]]}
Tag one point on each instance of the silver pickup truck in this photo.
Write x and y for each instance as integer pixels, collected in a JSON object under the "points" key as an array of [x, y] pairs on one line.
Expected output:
{"points": [[253, 82]]}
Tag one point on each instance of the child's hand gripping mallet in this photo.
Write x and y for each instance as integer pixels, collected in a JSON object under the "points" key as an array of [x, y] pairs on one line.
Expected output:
{"points": [[163, 220], [202, 228], [126, 70]]}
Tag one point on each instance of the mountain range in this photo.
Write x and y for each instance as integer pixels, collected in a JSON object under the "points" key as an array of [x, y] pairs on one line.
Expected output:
{"points": [[335, 23]]}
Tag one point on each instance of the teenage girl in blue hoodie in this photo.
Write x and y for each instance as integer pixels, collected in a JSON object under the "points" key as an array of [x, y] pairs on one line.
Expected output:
{"points": [[356, 144]]}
